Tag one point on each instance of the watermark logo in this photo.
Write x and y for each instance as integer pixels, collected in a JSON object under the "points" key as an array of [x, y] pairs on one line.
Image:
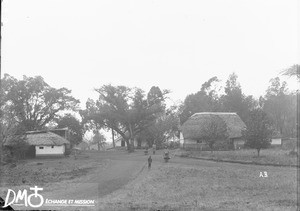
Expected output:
{"points": [[34, 199], [23, 196]]}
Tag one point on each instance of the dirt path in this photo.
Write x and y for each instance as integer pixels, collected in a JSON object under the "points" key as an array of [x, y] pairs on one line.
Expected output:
{"points": [[120, 168]]}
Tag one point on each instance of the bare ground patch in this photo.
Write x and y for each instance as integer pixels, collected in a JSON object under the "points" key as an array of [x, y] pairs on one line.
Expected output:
{"points": [[47, 171]]}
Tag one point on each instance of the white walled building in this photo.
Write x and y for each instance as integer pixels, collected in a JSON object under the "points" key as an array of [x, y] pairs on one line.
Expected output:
{"points": [[45, 143], [276, 141]]}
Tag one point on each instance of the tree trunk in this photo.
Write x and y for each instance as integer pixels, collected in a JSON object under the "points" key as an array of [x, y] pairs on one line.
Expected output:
{"points": [[131, 138], [113, 138], [127, 144], [139, 143], [131, 144]]}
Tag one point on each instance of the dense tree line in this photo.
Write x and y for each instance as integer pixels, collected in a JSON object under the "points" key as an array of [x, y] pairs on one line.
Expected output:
{"points": [[278, 103], [131, 113], [31, 104]]}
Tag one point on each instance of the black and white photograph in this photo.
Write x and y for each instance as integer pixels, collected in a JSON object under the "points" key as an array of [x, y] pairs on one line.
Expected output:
{"points": [[150, 105]]}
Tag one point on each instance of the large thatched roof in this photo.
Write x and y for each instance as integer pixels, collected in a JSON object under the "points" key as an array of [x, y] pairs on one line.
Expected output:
{"points": [[192, 128], [45, 138]]}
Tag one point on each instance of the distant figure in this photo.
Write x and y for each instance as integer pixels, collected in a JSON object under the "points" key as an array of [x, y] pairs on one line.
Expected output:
{"points": [[149, 162], [153, 148]]}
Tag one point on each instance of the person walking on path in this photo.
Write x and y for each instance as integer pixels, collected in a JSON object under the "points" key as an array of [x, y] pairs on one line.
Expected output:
{"points": [[149, 162]]}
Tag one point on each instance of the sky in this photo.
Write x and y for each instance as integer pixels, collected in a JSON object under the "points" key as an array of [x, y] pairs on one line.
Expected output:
{"points": [[176, 45]]}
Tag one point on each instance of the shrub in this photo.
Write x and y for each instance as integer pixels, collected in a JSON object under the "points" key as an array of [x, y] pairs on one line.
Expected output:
{"points": [[19, 149], [293, 153]]}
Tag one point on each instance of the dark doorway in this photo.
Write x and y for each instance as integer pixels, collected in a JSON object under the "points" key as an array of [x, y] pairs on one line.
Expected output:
{"points": [[122, 143]]}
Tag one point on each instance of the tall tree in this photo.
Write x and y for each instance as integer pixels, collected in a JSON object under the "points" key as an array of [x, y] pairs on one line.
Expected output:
{"points": [[234, 100], [99, 139], [259, 130], [280, 104], [203, 101], [74, 126], [12, 134], [163, 128], [294, 70], [11, 131], [33, 102], [155, 96], [123, 109]]}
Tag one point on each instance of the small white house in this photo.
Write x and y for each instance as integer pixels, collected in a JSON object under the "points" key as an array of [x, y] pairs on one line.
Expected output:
{"points": [[238, 143], [50, 150], [121, 143], [276, 141], [45, 143]]}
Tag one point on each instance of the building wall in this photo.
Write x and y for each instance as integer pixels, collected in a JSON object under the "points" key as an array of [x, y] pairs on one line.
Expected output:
{"points": [[190, 141], [181, 141], [118, 143], [238, 143], [49, 150], [276, 141], [192, 144], [219, 145]]}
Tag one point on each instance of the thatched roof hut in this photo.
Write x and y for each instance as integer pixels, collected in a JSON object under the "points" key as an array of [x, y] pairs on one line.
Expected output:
{"points": [[45, 139], [41, 143], [193, 127]]}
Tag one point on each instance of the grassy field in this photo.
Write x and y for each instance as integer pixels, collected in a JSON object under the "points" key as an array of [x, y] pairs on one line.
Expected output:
{"points": [[267, 156], [180, 184], [214, 186]]}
